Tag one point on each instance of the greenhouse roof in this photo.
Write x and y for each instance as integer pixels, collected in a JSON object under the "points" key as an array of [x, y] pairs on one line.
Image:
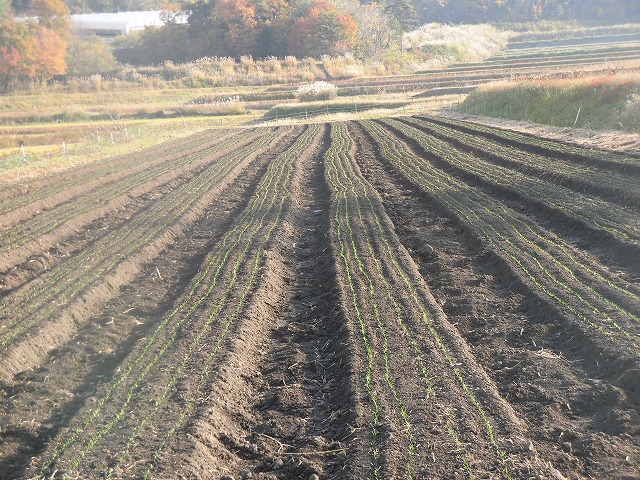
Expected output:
{"points": [[120, 23]]}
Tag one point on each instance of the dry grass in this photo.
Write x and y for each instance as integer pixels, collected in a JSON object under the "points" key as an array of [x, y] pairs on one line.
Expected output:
{"points": [[599, 102]]}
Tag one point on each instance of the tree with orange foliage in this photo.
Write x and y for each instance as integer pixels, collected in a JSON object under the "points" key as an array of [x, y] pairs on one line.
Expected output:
{"points": [[237, 20], [321, 29], [35, 50], [50, 54], [16, 53], [52, 14], [50, 37]]}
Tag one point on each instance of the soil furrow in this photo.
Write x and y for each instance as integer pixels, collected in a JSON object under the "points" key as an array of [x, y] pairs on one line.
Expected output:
{"points": [[608, 231], [618, 189], [277, 402], [95, 282], [523, 344], [594, 318]]}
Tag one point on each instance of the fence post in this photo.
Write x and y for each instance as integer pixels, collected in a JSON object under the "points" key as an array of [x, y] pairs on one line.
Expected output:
{"points": [[113, 143], [306, 113], [64, 148], [23, 154], [576, 120]]}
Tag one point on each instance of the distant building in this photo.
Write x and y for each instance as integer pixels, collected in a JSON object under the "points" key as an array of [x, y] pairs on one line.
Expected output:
{"points": [[114, 24], [121, 23]]}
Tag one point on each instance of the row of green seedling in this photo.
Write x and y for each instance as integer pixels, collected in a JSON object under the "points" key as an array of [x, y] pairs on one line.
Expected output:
{"points": [[49, 220], [555, 169], [70, 278], [605, 287], [593, 212], [608, 161], [75, 176], [232, 249], [280, 198], [373, 243], [415, 296], [500, 227], [347, 175]]}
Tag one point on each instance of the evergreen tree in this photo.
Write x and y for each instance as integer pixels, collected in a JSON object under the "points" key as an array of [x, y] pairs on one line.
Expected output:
{"points": [[403, 15]]}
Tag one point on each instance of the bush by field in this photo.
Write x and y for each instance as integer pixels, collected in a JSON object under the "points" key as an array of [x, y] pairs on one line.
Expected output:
{"points": [[312, 92]]}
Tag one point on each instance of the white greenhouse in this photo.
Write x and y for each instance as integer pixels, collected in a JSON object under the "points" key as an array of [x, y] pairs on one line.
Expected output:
{"points": [[121, 23], [114, 24]]}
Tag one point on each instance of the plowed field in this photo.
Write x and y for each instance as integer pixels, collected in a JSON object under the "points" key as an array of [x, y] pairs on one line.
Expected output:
{"points": [[405, 298]]}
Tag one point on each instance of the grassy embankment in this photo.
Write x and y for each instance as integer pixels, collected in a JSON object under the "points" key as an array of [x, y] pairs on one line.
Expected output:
{"points": [[610, 102]]}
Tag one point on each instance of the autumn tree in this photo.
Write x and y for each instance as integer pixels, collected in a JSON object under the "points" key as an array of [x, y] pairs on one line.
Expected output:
{"points": [[50, 53], [53, 15], [321, 29], [236, 20], [16, 53]]}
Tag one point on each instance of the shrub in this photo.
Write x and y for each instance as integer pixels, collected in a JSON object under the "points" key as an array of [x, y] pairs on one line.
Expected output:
{"points": [[317, 91]]}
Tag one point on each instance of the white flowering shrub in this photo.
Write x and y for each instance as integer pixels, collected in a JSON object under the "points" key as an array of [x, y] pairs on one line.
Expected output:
{"points": [[463, 43], [317, 91]]}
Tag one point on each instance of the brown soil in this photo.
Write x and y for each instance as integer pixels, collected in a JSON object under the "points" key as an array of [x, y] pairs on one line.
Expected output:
{"points": [[303, 303]]}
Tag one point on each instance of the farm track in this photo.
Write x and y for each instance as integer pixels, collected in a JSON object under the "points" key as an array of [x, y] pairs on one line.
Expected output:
{"points": [[374, 299]]}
